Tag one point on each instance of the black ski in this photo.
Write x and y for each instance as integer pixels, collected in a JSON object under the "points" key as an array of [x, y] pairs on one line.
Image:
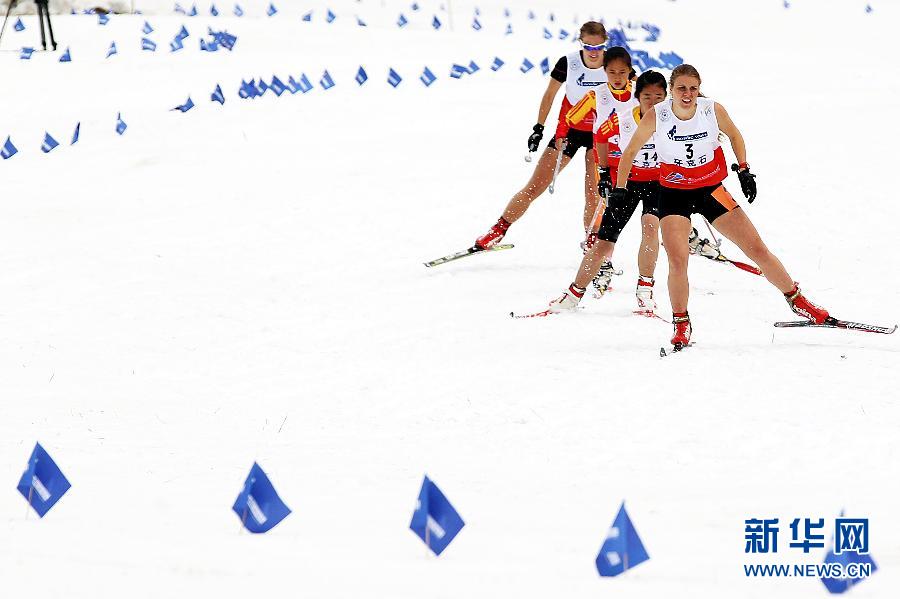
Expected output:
{"points": [[834, 323], [468, 252], [663, 352]]}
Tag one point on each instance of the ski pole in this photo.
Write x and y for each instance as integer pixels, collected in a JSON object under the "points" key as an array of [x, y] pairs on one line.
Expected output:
{"points": [[559, 156]]}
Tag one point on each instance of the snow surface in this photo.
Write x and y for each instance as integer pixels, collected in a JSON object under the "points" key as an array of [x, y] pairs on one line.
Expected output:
{"points": [[245, 283]]}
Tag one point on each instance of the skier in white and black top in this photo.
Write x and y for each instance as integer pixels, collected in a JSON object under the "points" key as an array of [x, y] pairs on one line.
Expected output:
{"points": [[580, 72]]}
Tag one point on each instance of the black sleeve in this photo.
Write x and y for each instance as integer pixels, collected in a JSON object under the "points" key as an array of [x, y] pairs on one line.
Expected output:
{"points": [[559, 70]]}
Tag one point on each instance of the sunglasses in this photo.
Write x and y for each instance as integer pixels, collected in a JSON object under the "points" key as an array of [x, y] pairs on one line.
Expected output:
{"points": [[591, 48]]}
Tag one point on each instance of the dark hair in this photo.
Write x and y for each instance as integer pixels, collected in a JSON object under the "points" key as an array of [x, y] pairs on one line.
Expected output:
{"points": [[649, 78], [593, 28], [616, 53]]}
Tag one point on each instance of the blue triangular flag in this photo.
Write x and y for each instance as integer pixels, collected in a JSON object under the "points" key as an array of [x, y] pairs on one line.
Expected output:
{"points": [[8, 149], [473, 67], [868, 8], [148, 44], [186, 106], [305, 84], [622, 548], [436, 23], [547, 34], [246, 90], [435, 521], [361, 76], [526, 65], [49, 143], [308, 16], [66, 56], [506, 12], [277, 86], [401, 21], [102, 18], [508, 29], [26, 53], [42, 483], [787, 4], [477, 12], [272, 10], [394, 78], [476, 24], [112, 50], [76, 134], [531, 15], [415, 6], [183, 34], [850, 546], [19, 26], [261, 87], [147, 29], [217, 95], [457, 71], [495, 66], [120, 124], [258, 505], [179, 9], [552, 18], [545, 66], [176, 44], [563, 34], [238, 11], [360, 22], [326, 81], [205, 46], [330, 16], [213, 10], [427, 77], [193, 12]]}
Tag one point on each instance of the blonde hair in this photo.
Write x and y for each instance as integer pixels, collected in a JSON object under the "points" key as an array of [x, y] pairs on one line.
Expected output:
{"points": [[593, 28]]}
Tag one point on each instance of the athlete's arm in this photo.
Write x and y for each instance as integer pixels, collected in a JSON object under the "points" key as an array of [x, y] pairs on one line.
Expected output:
{"points": [[602, 150], [645, 129], [727, 126], [547, 100]]}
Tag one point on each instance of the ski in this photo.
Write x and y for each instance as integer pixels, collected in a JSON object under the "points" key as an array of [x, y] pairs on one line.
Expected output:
{"points": [[650, 314], [468, 252], [663, 352], [540, 314], [834, 323]]}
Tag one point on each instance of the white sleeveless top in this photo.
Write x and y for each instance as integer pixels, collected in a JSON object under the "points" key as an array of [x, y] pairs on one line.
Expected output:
{"points": [[690, 155]]}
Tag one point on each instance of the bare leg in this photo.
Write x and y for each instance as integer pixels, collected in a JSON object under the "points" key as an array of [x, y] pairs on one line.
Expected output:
{"points": [[592, 261], [649, 251], [540, 180], [591, 194], [675, 232], [736, 226]]}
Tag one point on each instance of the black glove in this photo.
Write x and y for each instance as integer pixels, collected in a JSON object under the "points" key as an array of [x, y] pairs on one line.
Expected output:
{"points": [[748, 181], [604, 186], [534, 140], [617, 195]]}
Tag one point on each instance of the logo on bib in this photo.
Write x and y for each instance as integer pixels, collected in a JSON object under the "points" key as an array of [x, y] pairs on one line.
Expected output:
{"points": [[691, 137], [674, 177], [580, 81]]}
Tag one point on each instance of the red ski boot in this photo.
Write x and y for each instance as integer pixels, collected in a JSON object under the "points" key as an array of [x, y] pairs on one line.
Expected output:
{"points": [[493, 236], [803, 307], [681, 338]]}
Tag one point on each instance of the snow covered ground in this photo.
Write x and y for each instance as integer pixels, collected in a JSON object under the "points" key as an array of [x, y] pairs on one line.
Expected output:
{"points": [[245, 282]]}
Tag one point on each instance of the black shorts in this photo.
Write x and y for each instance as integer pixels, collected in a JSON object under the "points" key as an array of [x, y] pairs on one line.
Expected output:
{"points": [[576, 139], [712, 202], [617, 215]]}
